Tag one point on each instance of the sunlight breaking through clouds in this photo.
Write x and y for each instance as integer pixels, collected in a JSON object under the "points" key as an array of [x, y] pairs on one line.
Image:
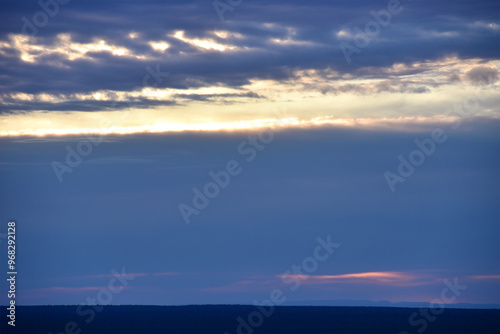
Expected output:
{"points": [[207, 44], [159, 46], [32, 51]]}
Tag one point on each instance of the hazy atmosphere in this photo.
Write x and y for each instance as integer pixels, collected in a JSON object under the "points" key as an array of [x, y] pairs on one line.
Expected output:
{"points": [[231, 152]]}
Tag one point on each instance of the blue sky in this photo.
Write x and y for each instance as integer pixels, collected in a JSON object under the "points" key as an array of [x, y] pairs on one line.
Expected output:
{"points": [[114, 117]]}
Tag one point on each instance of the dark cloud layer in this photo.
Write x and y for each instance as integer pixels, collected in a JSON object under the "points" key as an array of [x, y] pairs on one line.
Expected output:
{"points": [[423, 30]]}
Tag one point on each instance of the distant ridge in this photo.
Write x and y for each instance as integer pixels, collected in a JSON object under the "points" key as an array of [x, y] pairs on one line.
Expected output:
{"points": [[384, 303], [337, 303]]}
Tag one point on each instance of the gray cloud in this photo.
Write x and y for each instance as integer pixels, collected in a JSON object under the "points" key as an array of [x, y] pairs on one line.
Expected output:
{"points": [[468, 30], [482, 75]]}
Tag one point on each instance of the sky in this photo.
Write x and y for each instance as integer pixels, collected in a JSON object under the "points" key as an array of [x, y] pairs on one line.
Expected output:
{"points": [[213, 152]]}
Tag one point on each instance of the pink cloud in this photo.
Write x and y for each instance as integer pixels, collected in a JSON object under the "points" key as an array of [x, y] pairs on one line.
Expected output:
{"points": [[393, 278], [387, 278]]}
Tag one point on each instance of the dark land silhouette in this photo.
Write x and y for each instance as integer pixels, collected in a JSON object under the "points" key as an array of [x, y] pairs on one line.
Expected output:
{"points": [[221, 319]]}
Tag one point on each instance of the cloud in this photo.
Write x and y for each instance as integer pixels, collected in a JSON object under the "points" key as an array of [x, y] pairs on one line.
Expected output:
{"points": [[391, 278], [100, 48], [482, 75]]}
